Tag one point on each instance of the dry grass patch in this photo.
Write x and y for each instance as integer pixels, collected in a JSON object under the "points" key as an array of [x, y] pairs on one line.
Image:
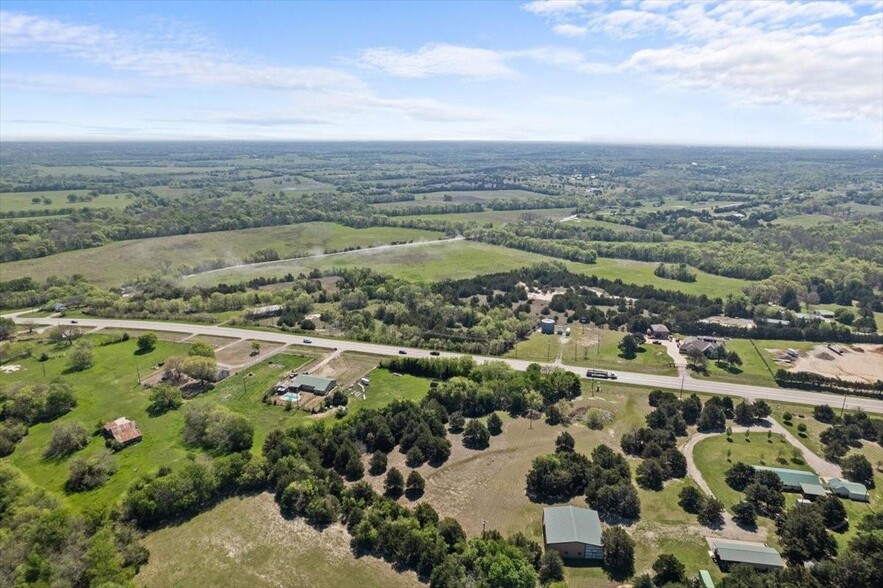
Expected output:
{"points": [[241, 352], [245, 542]]}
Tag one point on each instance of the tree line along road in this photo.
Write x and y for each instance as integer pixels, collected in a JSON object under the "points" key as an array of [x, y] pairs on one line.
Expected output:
{"points": [[689, 384]]}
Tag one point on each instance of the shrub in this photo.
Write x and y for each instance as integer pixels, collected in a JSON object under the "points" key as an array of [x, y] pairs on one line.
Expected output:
{"points": [[377, 463], [494, 424], [476, 435], [619, 552], [91, 472], [394, 484], [415, 484], [744, 514], [857, 468], [164, 398], [67, 438], [690, 499], [146, 342]]}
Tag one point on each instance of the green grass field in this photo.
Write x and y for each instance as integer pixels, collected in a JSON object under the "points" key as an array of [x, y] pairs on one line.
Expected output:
{"points": [[803, 220], [104, 392], [711, 459], [464, 259], [19, 201], [582, 349], [386, 387], [465, 197], [109, 390], [497, 216], [754, 361], [117, 262]]}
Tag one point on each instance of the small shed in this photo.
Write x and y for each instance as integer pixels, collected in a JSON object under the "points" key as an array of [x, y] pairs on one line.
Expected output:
{"points": [[122, 431], [705, 579], [575, 533]]}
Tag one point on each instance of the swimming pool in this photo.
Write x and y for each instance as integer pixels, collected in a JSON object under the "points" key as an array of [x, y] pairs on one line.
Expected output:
{"points": [[290, 396]]}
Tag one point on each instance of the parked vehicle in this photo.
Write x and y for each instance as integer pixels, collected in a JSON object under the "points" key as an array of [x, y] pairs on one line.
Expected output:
{"points": [[434, 353], [308, 341], [402, 352]]}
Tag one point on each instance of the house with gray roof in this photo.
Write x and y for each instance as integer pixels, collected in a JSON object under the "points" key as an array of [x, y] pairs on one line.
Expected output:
{"points": [[575, 533], [706, 346], [757, 555], [847, 489]]}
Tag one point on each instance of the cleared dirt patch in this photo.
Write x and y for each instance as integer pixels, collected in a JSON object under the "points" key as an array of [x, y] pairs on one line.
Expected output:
{"points": [[346, 368], [240, 352], [211, 340], [246, 542], [858, 363]]}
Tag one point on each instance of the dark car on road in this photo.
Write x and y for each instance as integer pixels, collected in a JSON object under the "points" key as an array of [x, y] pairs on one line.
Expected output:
{"points": [[402, 352]]}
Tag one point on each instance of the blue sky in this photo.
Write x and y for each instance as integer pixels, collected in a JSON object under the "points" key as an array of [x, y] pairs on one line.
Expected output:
{"points": [[734, 73]]}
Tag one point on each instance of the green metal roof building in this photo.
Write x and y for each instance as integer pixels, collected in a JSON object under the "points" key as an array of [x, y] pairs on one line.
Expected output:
{"points": [[575, 533], [756, 555], [705, 579], [792, 479], [847, 489]]}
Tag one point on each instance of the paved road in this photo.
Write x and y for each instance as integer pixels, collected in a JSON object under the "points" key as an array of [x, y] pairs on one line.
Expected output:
{"points": [[322, 255], [671, 382]]}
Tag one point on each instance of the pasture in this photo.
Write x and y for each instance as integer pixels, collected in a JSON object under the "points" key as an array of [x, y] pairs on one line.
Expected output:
{"points": [[58, 199], [115, 263]]}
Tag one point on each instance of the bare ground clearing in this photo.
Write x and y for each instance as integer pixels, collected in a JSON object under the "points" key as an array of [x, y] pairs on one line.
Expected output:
{"points": [[858, 363]]}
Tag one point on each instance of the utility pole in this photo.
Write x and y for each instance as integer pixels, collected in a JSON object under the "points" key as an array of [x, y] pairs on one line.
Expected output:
{"points": [[43, 365], [138, 371], [683, 375], [842, 408]]}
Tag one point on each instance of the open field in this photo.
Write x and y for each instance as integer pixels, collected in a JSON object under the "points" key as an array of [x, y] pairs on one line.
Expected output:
{"points": [[463, 259], [117, 262], [245, 543], [465, 197], [386, 387], [754, 361], [18, 201], [346, 368], [498, 216], [593, 347], [641, 272], [804, 220]]}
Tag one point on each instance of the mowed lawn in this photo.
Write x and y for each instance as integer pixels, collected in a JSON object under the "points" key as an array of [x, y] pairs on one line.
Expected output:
{"points": [[711, 459], [595, 348], [757, 361], [114, 263]]}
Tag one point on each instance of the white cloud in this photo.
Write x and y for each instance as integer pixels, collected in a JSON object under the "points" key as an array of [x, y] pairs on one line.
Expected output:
{"points": [[836, 75], [821, 57], [472, 62], [64, 84], [556, 7], [439, 59], [569, 30], [177, 57]]}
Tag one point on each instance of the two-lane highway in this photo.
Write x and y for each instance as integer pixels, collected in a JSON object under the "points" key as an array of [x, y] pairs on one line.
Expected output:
{"points": [[638, 379]]}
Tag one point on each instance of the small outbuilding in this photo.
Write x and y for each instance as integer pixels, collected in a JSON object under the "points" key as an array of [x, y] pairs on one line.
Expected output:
{"points": [[847, 489], [757, 555], [547, 326], [122, 431], [575, 533]]}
